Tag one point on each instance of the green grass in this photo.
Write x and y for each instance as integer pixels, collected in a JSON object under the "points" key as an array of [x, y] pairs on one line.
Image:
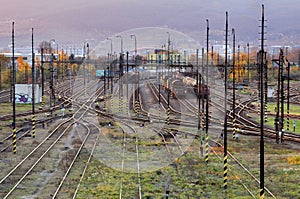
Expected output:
{"points": [[189, 177], [270, 123], [6, 108], [294, 109]]}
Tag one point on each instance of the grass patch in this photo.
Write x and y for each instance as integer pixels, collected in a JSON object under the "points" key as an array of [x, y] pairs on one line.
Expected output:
{"points": [[6, 108], [294, 109], [271, 121], [188, 176]]}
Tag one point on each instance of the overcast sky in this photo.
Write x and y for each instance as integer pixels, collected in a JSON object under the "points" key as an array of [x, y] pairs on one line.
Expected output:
{"points": [[73, 21]]}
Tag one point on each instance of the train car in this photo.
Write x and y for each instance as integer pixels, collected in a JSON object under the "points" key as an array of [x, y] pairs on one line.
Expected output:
{"points": [[174, 85], [180, 86], [191, 87], [190, 84], [177, 89]]}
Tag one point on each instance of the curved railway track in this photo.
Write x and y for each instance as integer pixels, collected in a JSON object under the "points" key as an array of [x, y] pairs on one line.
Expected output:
{"points": [[29, 164], [250, 127]]}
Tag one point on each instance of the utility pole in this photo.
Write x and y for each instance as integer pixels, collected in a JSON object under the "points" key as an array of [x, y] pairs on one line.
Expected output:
{"points": [[110, 61], [52, 96], [201, 95], [135, 45], [207, 97], [265, 65], [212, 55], [127, 68], [88, 58], [108, 72], [202, 91], [62, 65], [197, 77], [248, 64], [233, 87], [199, 105], [262, 188], [14, 91], [225, 166], [58, 65], [238, 66], [278, 124], [104, 92], [198, 90], [0, 77], [281, 99], [43, 76], [33, 87], [121, 56], [288, 97], [168, 52]]}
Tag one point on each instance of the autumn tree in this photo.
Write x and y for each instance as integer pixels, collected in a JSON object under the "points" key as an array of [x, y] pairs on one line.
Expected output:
{"points": [[4, 72], [23, 68]]}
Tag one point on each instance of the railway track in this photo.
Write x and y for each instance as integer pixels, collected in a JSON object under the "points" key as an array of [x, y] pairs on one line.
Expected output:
{"points": [[243, 171], [251, 127], [5, 143], [130, 130], [31, 163]]}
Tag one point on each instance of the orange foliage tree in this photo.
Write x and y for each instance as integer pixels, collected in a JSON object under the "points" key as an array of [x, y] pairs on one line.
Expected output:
{"points": [[23, 68], [4, 72]]}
